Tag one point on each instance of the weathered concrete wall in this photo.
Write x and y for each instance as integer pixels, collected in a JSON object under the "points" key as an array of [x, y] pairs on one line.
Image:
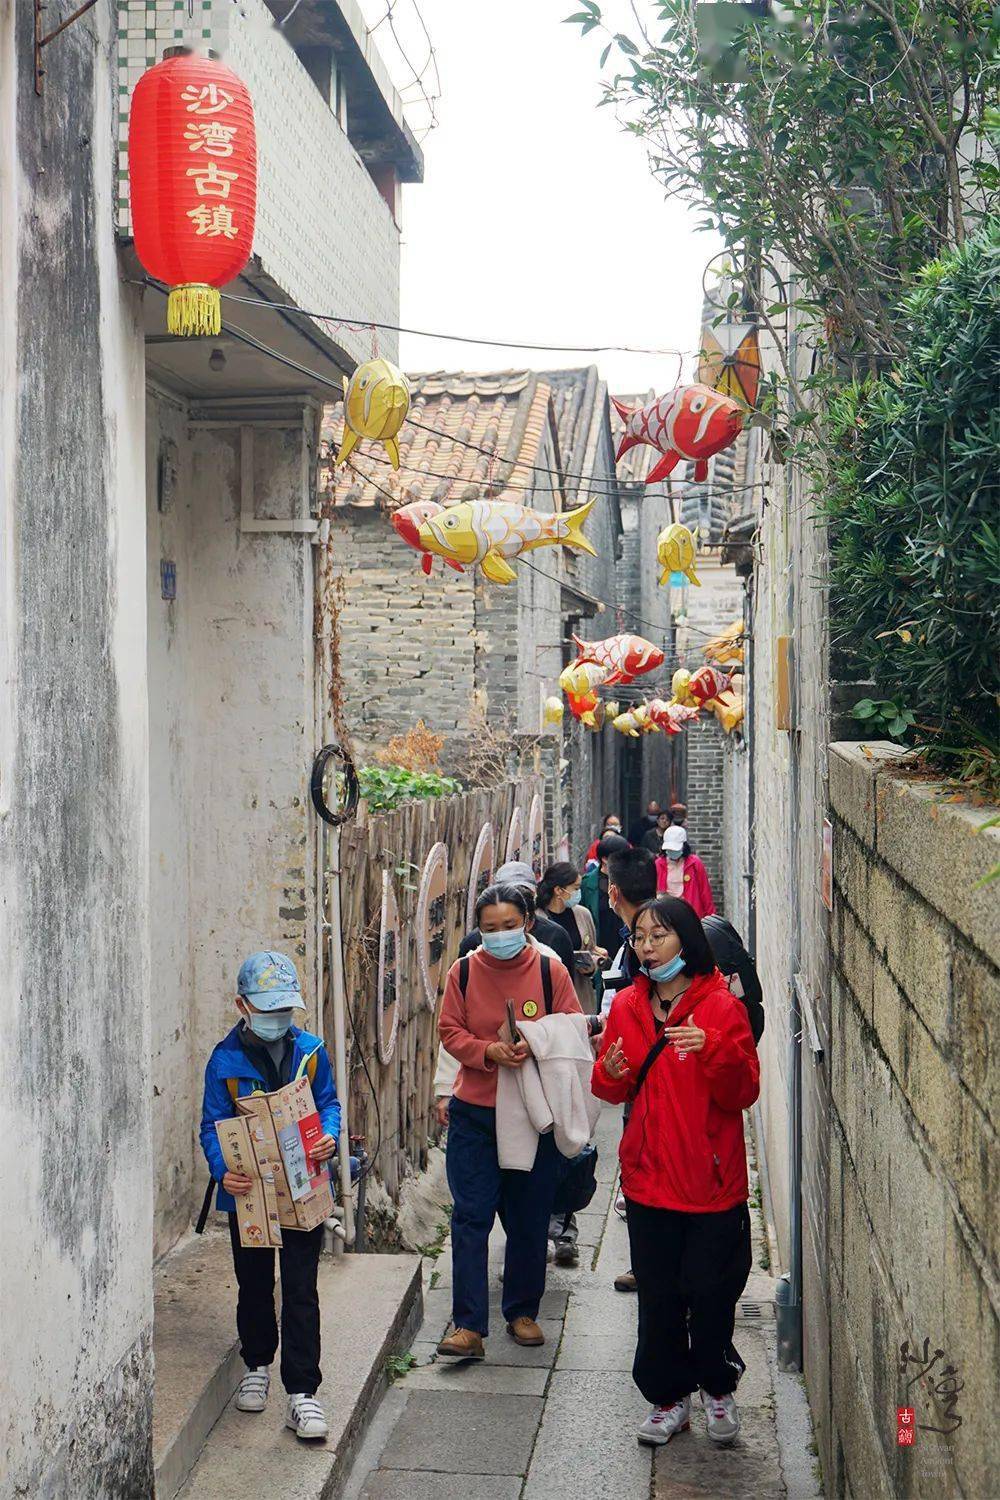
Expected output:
{"points": [[232, 739], [735, 888], [914, 1233], [75, 1161], [344, 252]]}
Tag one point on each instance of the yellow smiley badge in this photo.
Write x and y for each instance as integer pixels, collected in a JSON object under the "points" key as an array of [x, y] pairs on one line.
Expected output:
{"points": [[530, 1009]]}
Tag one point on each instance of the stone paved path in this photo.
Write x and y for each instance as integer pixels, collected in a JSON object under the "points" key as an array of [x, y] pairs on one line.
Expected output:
{"points": [[560, 1421]]}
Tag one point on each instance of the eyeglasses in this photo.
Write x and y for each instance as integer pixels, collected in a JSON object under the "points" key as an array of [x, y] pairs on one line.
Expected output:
{"points": [[657, 938]]}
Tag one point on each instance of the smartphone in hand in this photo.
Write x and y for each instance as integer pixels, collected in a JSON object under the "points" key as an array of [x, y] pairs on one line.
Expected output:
{"points": [[515, 1035]]}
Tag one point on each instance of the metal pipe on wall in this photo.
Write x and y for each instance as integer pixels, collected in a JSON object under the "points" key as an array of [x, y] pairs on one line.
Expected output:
{"points": [[339, 1000]]}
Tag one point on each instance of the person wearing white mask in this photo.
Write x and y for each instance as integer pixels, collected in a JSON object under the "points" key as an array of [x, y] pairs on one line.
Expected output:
{"points": [[681, 873], [505, 972], [560, 898]]}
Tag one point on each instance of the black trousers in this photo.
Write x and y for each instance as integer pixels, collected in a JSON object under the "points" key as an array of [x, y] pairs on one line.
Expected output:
{"points": [[690, 1270], [255, 1320]]}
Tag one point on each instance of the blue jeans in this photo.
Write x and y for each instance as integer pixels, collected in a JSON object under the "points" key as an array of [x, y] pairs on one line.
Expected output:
{"points": [[480, 1191]]}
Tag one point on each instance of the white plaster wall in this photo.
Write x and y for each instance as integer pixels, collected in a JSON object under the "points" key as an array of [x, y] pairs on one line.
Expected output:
{"points": [[75, 1161], [231, 705], [343, 257]]}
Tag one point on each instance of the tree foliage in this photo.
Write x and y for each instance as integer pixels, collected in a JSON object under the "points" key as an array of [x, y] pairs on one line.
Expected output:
{"points": [[912, 494], [851, 141]]}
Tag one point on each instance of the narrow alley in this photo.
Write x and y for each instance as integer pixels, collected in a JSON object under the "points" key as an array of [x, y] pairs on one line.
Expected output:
{"points": [[558, 1423]]}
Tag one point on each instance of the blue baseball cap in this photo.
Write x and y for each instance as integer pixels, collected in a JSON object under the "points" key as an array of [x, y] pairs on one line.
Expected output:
{"points": [[269, 982]]}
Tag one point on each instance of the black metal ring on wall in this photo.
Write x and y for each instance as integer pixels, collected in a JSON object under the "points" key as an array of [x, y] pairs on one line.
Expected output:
{"points": [[351, 787]]}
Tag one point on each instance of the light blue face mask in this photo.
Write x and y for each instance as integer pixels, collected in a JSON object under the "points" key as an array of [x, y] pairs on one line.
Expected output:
{"points": [[270, 1026], [660, 973], [505, 944], [574, 899]]}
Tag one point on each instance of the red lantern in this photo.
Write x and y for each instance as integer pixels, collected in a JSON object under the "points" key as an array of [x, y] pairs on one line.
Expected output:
{"points": [[192, 166]]}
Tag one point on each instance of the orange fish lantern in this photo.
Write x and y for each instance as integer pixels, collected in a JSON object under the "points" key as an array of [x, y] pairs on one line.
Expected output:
{"points": [[707, 684], [725, 649], [625, 656], [583, 707], [692, 422], [408, 520], [192, 165]]}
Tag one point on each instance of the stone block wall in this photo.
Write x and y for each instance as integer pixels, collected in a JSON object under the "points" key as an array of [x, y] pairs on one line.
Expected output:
{"points": [[704, 798], [914, 1236]]}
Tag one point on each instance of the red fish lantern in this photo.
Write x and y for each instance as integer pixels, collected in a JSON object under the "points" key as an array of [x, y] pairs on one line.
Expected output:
{"points": [[625, 657], [583, 707], [707, 684], [692, 422], [192, 165]]}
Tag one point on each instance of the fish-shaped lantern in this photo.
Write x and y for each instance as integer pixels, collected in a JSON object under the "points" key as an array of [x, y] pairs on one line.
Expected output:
{"points": [[726, 650], [675, 554], [627, 723], [582, 677], [729, 715], [671, 717], [691, 421], [625, 656], [552, 713], [707, 684], [488, 532], [408, 520], [376, 400], [583, 707], [680, 686]]}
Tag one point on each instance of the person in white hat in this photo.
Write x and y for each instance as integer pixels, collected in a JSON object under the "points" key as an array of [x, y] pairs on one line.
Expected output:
{"points": [[681, 873]]}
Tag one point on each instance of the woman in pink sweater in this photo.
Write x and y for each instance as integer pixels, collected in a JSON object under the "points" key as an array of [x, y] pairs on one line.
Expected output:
{"points": [[473, 1017], [681, 873]]}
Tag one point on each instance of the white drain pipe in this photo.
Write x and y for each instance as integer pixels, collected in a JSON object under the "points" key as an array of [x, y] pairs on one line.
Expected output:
{"points": [[337, 993]]}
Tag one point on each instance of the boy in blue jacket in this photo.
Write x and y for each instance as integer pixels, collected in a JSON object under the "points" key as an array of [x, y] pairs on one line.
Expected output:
{"points": [[263, 1052]]}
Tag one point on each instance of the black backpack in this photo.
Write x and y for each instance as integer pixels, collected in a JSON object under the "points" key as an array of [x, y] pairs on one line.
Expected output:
{"points": [[732, 958], [546, 962]]}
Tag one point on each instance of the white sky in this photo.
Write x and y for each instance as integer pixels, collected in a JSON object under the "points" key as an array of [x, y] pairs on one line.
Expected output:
{"points": [[538, 217]]}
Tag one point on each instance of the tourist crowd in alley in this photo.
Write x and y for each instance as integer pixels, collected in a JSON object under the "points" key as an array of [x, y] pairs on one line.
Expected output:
{"points": [[615, 983]]}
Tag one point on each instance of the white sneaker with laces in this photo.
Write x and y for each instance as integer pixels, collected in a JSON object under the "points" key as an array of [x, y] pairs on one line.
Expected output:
{"points": [[722, 1417], [664, 1422], [306, 1417], [251, 1393]]}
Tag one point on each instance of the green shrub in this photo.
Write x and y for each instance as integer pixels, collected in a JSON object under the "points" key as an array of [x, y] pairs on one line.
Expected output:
{"points": [[385, 787], [913, 499]]}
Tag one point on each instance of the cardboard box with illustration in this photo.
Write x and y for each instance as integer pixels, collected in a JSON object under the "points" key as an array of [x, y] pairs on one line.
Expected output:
{"points": [[270, 1140]]}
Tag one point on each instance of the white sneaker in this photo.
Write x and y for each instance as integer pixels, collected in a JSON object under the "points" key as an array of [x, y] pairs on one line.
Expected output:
{"points": [[664, 1422], [306, 1417], [251, 1393], [722, 1417]]}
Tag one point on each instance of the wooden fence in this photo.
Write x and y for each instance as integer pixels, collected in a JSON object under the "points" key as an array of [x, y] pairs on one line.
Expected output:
{"points": [[403, 1126]]}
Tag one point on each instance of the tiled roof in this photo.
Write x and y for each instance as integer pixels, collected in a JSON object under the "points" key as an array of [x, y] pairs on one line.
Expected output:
{"points": [[506, 412]]}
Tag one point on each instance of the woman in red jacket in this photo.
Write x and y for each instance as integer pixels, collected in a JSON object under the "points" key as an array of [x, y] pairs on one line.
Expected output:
{"points": [[681, 873], [678, 1047]]}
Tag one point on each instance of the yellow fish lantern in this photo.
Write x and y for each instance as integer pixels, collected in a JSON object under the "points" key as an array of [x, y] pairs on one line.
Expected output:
{"points": [[626, 724], [553, 711], [489, 532], [643, 719], [680, 686], [582, 677], [730, 714], [675, 554], [611, 711], [376, 400], [725, 649]]}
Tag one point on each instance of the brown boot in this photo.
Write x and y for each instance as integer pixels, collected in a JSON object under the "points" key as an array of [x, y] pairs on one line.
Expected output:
{"points": [[527, 1332], [625, 1282], [462, 1344]]}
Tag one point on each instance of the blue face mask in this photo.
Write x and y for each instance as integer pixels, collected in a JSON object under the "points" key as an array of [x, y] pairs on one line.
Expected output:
{"points": [[271, 1026], [505, 944], [660, 973], [573, 900]]}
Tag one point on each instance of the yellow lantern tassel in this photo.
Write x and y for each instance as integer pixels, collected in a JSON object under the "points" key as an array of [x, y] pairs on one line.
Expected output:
{"points": [[194, 310]]}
